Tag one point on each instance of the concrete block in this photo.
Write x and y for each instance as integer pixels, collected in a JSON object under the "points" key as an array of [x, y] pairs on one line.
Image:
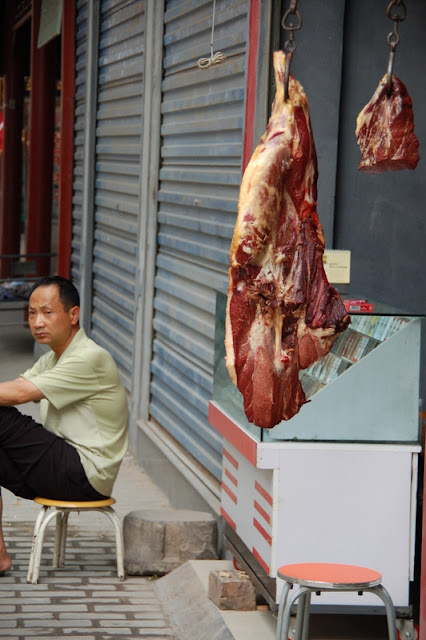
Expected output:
{"points": [[191, 614], [157, 541], [232, 590]]}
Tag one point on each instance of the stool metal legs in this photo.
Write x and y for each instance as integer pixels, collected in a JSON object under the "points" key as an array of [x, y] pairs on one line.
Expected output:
{"points": [[60, 538], [303, 610], [62, 516], [381, 592], [42, 521]]}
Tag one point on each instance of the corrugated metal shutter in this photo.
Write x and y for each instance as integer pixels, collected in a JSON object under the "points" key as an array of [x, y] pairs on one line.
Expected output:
{"points": [[80, 102], [118, 148], [202, 120]]}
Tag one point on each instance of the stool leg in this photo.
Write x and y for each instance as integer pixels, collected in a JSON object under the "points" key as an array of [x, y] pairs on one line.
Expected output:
{"points": [[287, 610], [119, 542], [58, 534], [37, 526], [306, 613], [281, 607], [390, 610], [300, 616], [63, 542], [39, 546]]}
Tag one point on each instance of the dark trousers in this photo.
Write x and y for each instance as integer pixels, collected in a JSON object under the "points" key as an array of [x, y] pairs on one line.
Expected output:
{"points": [[35, 462]]}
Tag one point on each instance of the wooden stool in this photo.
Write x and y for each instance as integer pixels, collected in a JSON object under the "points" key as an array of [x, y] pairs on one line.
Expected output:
{"points": [[317, 577], [61, 512]]}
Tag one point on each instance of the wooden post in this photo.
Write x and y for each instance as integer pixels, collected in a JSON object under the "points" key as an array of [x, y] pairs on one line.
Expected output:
{"points": [[11, 195], [67, 139], [42, 116]]}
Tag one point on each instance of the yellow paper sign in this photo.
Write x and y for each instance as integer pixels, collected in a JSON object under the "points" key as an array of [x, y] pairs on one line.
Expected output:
{"points": [[337, 266]]}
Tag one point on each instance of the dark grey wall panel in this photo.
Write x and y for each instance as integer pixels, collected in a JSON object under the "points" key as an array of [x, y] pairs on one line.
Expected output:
{"points": [[381, 218], [317, 64]]}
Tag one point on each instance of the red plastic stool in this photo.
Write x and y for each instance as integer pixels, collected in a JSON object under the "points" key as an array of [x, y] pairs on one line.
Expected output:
{"points": [[316, 577]]}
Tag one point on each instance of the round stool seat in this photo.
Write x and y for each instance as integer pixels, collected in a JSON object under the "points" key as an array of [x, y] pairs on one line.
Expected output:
{"points": [[314, 577], [73, 504], [327, 575]]}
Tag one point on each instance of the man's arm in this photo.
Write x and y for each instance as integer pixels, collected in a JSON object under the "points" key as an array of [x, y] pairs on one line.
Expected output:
{"points": [[18, 391]]}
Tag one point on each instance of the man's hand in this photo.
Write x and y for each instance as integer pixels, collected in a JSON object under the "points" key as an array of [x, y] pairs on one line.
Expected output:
{"points": [[18, 391]]}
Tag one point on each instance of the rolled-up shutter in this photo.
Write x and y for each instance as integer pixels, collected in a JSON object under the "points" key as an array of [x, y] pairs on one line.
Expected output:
{"points": [[118, 149], [200, 174], [80, 102]]}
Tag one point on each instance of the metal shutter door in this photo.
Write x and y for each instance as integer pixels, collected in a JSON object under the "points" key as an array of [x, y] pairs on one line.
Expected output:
{"points": [[80, 103], [118, 148], [200, 174]]}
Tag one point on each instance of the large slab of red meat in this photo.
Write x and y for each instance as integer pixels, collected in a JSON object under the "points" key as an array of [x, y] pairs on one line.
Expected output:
{"points": [[385, 130], [282, 314]]}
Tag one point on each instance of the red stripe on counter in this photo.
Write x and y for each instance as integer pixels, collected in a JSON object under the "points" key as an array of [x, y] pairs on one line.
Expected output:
{"points": [[260, 560], [263, 493], [262, 531], [231, 477], [262, 512], [230, 458], [229, 492], [237, 437], [228, 519]]}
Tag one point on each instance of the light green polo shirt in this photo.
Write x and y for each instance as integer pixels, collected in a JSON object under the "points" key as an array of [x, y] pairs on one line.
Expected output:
{"points": [[86, 404]]}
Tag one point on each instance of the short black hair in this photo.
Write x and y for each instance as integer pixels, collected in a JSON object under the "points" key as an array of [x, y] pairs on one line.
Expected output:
{"points": [[68, 294]]}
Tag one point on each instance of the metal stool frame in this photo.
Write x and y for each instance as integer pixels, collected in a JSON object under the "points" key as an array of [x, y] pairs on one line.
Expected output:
{"points": [[61, 512], [306, 587]]}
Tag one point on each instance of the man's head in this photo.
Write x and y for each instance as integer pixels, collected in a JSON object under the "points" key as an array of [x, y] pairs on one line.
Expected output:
{"points": [[53, 312], [68, 294]]}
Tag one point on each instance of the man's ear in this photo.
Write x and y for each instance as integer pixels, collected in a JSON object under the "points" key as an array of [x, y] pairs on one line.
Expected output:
{"points": [[75, 315]]}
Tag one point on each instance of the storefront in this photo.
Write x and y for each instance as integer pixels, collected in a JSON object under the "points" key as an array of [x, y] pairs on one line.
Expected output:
{"points": [[159, 148]]}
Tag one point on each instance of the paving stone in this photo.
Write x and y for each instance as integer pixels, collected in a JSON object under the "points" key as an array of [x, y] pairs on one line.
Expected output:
{"points": [[58, 623], [61, 637], [117, 632], [75, 608], [130, 608], [95, 616]]}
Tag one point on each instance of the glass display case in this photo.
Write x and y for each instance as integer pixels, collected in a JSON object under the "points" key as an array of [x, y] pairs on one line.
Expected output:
{"points": [[367, 389]]}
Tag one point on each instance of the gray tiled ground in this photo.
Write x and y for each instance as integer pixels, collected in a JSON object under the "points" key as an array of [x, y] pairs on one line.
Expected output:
{"points": [[85, 599]]}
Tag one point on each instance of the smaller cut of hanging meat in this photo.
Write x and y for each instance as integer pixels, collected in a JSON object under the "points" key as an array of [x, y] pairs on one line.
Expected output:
{"points": [[385, 131], [282, 314]]}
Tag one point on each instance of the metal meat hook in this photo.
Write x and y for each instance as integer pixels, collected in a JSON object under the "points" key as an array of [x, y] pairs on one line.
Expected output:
{"points": [[396, 11], [292, 21]]}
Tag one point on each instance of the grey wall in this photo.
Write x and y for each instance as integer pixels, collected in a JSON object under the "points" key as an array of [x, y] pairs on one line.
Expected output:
{"points": [[341, 56], [381, 218], [317, 64]]}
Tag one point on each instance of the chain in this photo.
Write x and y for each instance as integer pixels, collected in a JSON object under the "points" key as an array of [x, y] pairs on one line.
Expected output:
{"points": [[396, 11], [292, 21]]}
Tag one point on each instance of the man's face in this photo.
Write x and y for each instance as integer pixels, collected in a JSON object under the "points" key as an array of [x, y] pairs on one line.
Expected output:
{"points": [[49, 322]]}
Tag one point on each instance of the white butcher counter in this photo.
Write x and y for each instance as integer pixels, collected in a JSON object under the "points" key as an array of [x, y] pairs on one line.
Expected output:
{"points": [[338, 482]]}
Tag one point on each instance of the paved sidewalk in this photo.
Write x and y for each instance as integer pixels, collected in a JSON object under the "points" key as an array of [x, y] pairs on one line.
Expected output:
{"points": [[83, 600]]}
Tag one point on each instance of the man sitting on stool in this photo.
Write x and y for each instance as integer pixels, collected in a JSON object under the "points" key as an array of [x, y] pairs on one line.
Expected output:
{"points": [[76, 451]]}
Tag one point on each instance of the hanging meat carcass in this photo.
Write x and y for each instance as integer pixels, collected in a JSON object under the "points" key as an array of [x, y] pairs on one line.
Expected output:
{"points": [[385, 130], [282, 314]]}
